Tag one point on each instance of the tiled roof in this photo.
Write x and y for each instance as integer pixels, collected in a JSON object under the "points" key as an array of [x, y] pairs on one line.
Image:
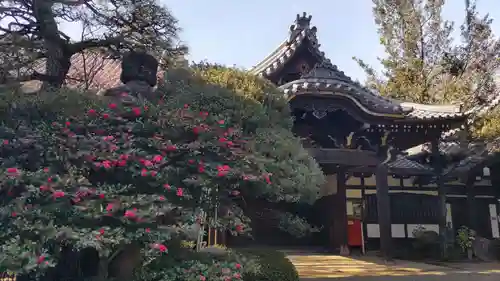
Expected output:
{"points": [[100, 71], [326, 77], [300, 32], [94, 67]]}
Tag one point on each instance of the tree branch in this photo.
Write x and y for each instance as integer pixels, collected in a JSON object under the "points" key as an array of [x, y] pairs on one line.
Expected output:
{"points": [[94, 43]]}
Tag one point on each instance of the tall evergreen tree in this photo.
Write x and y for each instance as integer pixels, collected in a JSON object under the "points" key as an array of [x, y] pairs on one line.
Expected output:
{"points": [[423, 62]]}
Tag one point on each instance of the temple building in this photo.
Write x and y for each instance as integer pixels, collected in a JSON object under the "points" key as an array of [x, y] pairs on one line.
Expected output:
{"points": [[388, 170]]}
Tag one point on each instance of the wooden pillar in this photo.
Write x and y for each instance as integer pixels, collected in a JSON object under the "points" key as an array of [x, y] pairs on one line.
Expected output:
{"points": [[384, 211], [471, 203], [438, 171], [342, 219]]}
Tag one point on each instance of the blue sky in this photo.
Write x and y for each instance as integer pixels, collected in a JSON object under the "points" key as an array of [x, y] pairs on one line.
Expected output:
{"points": [[242, 33]]}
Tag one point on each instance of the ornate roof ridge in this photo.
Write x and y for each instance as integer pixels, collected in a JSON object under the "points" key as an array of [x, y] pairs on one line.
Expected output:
{"points": [[300, 30], [444, 108]]}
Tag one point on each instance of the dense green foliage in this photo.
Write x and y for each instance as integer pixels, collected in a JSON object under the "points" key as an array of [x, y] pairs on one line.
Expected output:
{"points": [[82, 172]]}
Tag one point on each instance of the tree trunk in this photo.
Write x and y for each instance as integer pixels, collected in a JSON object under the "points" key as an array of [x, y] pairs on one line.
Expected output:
{"points": [[58, 58], [56, 67]]}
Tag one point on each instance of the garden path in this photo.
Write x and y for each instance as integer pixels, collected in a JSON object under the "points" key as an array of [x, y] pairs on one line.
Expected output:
{"points": [[324, 267]]}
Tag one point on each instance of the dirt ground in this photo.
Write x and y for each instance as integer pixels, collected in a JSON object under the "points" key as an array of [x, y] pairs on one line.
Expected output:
{"points": [[322, 267]]}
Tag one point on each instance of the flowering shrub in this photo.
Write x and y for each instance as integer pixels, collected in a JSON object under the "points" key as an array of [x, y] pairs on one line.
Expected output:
{"points": [[113, 175], [79, 172]]}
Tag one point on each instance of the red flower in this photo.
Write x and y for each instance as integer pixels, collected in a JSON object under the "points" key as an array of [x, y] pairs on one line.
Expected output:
{"points": [[46, 170], [201, 168], [162, 248], [105, 116], [171, 148], [44, 188], [146, 163], [124, 156], [186, 105], [12, 171], [223, 140], [204, 114], [108, 138], [112, 105], [222, 170], [14, 214], [180, 192], [40, 259], [237, 266], [154, 173], [101, 231], [58, 194], [239, 228], [202, 278], [67, 123], [166, 186], [221, 122], [137, 111], [237, 275], [148, 230], [122, 163], [157, 158], [110, 207], [5, 142], [144, 172], [162, 198], [107, 164], [130, 214], [91, 112], [101, 195]]}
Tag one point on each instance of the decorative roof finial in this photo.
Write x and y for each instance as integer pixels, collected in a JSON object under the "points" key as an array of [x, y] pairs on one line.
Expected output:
{"points": [[301, 23]]}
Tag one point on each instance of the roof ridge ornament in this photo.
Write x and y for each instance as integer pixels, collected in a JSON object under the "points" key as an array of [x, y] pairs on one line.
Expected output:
{"points": [[326, 70], [302, 23]]}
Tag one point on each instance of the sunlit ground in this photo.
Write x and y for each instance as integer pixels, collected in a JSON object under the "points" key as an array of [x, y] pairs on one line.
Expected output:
{"points": [[330, 266]]}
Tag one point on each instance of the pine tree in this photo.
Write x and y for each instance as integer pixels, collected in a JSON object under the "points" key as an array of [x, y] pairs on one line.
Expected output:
{"points": [[424, 64]]}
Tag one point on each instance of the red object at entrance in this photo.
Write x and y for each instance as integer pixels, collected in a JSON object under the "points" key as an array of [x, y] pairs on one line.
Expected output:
{"points": [[354, 233]]}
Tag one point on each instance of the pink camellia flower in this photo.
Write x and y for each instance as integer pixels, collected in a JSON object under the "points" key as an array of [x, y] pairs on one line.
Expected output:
{"points": [[157, 158], [12, 171], [40, 259], [137, 111], [237, 266], [237, 275], [130, 214], [112, 105], [110, 207], [239, 228], [222, 170], [58, 194], [171, 148], [107, 164], [202, 278], [160, 247], [105, 116], [180, 192], [44, 188], [91, 112], [6, 142]]}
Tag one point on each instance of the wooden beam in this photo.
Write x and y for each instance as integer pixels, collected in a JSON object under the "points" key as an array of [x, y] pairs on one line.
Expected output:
{"points": [[384, 211], [438, 170], [347, 157]]}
